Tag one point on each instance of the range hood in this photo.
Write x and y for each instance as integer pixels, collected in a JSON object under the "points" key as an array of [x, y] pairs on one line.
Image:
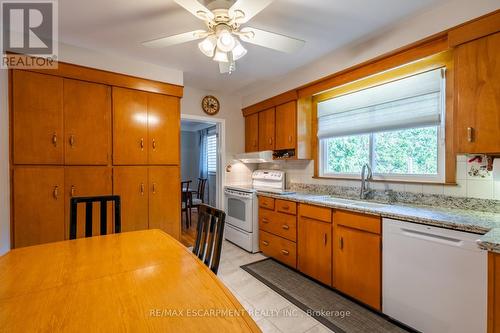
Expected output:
{"points": [[257, 157]]}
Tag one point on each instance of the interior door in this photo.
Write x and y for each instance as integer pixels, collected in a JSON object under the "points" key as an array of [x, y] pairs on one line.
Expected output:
{"points": [[266, 129], [131, 184], [37, 111], [164, 129], [286, 126], [83, 182], [165, 199], [130, 127], [314, 255], [357, 265], [87, 123], [38, 205], [252, 133], [477, 67]]}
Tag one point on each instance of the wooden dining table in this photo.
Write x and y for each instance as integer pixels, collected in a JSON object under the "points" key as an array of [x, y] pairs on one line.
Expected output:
{"points": [[142, 281]]}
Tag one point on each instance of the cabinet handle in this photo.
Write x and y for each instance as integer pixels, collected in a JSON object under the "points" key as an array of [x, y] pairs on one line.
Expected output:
{"points": [[289, 138], [264, 220], [142, 188], [285, 207], [264, 204], [54, 139], [73, 190], [154, 144], [266, 243], [154, 188], [285, 252], [270, 141], [55, 193], [325, 239], [286, 227], [470, 134], [71, 140], [142, 143], [341, 243]]}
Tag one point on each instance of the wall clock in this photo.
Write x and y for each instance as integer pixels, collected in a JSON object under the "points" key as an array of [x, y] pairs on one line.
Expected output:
{"points": [[210, 105]]}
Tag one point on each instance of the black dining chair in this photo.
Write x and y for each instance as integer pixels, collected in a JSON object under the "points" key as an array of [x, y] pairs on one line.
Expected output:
{"points": [[199, 193], [210, 230], [89, 203], [186, 202]]}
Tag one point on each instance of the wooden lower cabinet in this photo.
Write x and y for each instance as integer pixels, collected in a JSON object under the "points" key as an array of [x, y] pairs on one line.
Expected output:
{"points": [[83, 182], [38, 204], [493, 292], [279, 248], [357, 264], [164, 199], [315, 249]]}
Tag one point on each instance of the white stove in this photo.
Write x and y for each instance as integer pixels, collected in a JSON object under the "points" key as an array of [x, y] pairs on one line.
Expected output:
{"points": [[242, 223]]}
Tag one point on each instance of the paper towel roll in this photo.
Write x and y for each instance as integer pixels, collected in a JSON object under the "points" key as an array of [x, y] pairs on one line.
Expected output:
{"points": [[496, 169]]}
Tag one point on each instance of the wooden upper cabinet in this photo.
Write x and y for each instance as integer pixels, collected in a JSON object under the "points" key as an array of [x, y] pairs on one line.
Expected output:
{"points": [[477, 85], [38, 202], [87, 181], [130, 127], [266, 129], [357, 265], [286, 126], [314, 253], [37, 112], [252, 133], [131, 184], [163, 129], [87, 123], [164, 199]]}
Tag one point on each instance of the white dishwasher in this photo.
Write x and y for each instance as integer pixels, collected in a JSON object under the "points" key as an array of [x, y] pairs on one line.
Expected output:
{"points": [[433, 279]]}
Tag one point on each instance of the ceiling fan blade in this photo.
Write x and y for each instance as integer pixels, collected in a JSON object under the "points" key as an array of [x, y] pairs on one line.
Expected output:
{"points": [[271, 40], [249, 8], [175, 39], [196, 8]]}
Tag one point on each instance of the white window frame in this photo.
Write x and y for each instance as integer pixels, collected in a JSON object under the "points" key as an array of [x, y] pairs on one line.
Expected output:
{"points": [[441, 156], [211, 171]]}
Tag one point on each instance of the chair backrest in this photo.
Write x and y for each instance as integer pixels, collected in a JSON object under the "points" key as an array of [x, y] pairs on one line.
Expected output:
{"points": [[89, 201], [200, 193], [185, 192], [210, 230]]}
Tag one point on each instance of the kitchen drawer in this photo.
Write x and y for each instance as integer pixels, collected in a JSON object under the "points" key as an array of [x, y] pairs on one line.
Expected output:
{"points": [[359, 221], [288, 207], [279, 248], [280, 224], [316, 213], [266, 202]]}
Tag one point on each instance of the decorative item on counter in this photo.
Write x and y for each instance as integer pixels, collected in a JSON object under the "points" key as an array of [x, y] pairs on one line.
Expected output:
{"points": [[479, 166]]}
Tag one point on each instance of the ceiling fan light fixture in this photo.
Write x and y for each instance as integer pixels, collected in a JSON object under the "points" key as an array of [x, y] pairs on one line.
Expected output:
{"points": [[207, 46], [220, 56], [226, 41], [239, 51]]}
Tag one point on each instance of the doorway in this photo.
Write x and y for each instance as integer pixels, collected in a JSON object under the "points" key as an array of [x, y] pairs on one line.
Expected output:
{"points": [[201, 176]]}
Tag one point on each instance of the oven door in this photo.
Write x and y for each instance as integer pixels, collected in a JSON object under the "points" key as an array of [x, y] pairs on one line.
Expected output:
{"points": [[239, 210]]}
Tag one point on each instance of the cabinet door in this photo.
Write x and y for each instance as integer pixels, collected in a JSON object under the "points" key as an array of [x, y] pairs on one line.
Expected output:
{"points": [[165, 200], [83, 182], [252, 133], [87, 123], [266, 129], [37, 106], [286, 126], [131, 184], [130, 127], [315, 249], [164, 122], [357, 265], [38, 205], [477, 83]]}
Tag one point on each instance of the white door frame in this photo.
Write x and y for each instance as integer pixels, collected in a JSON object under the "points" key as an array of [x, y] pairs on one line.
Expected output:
{"points": [[221, 153]]}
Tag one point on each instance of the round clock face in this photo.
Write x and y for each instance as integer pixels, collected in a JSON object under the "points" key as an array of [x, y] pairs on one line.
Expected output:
{"points": [[210, 105]]}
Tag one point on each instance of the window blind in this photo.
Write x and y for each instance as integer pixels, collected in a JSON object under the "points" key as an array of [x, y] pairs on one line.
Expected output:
{"points": [[406, 103], [212, 152]]}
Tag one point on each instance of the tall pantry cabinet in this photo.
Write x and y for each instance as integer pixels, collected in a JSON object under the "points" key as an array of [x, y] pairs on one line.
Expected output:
{"points": [[83, 132]]}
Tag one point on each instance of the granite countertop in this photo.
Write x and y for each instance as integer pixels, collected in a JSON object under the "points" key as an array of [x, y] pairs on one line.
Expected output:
{"points": [[486, 224]]}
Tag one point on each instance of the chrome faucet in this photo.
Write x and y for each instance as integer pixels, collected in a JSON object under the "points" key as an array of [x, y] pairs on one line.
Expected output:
{"points": [[366, 176]]}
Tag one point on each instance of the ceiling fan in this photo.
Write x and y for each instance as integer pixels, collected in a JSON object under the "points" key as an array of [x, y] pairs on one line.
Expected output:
{"points": [[224, 34]]}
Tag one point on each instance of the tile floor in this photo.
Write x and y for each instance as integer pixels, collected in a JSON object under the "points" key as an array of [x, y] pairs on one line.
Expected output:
{"points": [[272, 312]]}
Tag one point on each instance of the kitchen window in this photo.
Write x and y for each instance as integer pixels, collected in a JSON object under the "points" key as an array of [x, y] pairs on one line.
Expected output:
{"points": [[212, 153], [397, 128]]}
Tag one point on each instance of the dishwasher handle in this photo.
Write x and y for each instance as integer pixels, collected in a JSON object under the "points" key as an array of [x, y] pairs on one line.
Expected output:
{"points": [[432, 237]]}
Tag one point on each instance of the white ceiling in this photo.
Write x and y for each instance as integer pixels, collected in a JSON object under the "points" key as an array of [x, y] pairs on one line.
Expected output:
{"points": [[119, 26]]}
